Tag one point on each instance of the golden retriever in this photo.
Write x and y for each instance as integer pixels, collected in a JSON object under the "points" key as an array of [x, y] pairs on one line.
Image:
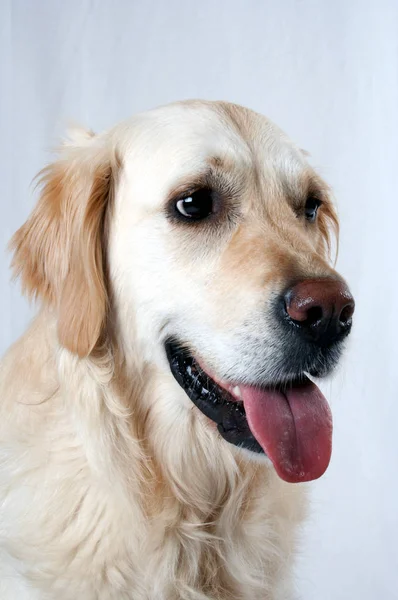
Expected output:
{"points": [[157, 419]]}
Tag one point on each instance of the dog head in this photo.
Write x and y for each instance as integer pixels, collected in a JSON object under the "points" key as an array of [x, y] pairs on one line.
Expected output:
{"points": [[203, 234]]}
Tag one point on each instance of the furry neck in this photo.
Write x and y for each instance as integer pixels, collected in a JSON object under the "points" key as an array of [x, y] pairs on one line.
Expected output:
{"points": [[207, 517], [143, 495]]}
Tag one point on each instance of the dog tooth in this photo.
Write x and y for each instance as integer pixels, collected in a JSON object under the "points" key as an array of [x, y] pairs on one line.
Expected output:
{"points": [[236, 391]]}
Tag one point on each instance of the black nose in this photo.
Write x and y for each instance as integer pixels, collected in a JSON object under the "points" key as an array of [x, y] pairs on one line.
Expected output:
{"points": [[320, 309]]}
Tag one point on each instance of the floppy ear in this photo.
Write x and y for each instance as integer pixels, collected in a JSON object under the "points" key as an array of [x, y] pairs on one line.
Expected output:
{"points": [[329, 228], [328, 222], [59, 251]]}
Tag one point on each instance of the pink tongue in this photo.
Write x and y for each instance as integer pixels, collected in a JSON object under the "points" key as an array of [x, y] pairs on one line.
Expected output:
{"points": [[294, 429]]}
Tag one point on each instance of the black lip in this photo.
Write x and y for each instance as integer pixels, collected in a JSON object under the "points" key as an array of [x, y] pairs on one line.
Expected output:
{"points": [[212, 400]]}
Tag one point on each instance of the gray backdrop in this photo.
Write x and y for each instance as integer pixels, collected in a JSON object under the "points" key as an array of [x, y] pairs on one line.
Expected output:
{"points": [[326, 72]]}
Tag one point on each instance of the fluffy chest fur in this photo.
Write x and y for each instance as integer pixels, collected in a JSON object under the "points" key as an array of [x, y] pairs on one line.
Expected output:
{"points": [[90, 508]]}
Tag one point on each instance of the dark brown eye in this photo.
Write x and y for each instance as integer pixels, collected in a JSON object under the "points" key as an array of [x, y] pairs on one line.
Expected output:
{"points": [[196, 206], [311, 208]]}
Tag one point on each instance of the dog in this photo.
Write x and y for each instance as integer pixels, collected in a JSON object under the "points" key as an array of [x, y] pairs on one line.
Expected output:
{"points": [[158, 418]]}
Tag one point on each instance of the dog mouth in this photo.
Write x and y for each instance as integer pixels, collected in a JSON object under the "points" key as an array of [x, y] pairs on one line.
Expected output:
{"points": [[291, 423]]}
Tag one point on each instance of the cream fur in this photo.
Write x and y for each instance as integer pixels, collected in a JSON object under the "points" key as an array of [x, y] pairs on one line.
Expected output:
{"points": [[112, 486]]}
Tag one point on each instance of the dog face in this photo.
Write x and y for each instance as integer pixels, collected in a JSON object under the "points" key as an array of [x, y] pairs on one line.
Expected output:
{"points": [[214, 231]]}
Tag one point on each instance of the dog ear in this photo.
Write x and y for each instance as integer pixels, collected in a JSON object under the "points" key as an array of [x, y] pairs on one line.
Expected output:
{"points": [[329, 228], [59, 252], [327, 220]]}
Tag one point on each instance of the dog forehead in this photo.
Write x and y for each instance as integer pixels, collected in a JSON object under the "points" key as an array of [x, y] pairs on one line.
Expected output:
{"points": [[201, 128], [182, 140], [184, 136], [175, 143]]}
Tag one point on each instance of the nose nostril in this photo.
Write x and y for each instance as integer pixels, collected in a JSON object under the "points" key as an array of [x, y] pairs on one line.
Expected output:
{"points": [[346, 314], [314, 315]]}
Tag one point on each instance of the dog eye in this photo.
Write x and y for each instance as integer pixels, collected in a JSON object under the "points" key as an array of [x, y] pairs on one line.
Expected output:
{"points": [[196, 206], [311, 208]]}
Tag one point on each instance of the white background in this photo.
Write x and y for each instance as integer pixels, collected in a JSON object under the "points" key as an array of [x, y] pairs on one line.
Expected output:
{"points": [[327, 72]]}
